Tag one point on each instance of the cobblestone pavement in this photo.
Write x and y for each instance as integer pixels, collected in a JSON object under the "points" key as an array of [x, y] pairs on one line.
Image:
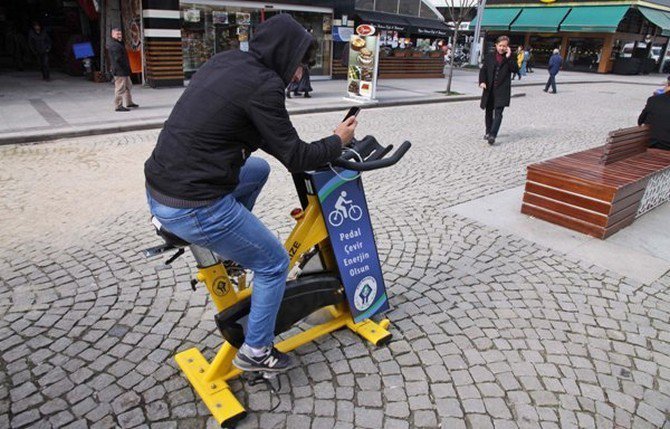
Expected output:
{"points": [[489, 330]]}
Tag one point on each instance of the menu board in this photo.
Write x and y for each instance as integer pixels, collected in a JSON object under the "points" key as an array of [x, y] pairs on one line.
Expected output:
{"points": [[363, 66]]}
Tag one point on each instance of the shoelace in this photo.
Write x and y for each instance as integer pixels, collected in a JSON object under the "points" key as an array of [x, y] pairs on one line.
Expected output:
{"points": [[260, 378]]}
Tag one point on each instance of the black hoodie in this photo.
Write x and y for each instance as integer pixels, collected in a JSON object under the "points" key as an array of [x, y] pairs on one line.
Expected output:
{"points": [[234, 105]]}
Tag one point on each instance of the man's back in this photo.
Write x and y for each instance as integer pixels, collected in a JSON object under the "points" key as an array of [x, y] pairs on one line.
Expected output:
{"points": [[657, 115]]}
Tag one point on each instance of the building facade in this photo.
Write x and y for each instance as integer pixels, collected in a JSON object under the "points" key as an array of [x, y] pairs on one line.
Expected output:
{"points": [[600, 36], [181, 35]]}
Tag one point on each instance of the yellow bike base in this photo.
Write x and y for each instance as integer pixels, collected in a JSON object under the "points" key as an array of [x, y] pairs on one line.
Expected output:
{"points": [[210, 379]]}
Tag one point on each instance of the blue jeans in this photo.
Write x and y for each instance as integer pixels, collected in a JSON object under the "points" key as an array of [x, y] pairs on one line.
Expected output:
{"points": [[228, 228]]}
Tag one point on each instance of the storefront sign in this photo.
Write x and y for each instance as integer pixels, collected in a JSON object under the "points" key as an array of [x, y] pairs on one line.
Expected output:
{"points": [[346, 214], [364, 30], [431, 32], [363, 65]]}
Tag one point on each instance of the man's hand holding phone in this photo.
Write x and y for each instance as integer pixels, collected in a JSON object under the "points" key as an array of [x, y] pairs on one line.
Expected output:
{"points": [[346, 129], [509, 52]]}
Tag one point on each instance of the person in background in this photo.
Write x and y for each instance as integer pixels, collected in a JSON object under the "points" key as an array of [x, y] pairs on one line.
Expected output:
{"points": [[496, 82], [40, 45], [304, 85], [522, 60], [531, 59], [121, 72], [656, 114], [555, 63], [519, 61]]}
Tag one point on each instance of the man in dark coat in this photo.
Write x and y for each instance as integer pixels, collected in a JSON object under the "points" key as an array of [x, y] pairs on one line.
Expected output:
{"points": [[121, 72], [657, 115], [555, 63], [496, 83], [40, 45], [202, 184]]}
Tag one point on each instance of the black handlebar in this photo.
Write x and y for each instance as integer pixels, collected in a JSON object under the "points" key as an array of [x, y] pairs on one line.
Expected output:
{"points": [[369, 155]]}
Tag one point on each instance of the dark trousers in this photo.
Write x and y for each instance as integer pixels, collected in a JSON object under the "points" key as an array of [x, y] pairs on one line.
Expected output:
{"points": [[552, 82], [493, 118], [44, 64]]}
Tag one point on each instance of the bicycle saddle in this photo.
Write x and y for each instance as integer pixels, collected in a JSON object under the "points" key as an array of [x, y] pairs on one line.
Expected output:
{"points": [[171, 240]]}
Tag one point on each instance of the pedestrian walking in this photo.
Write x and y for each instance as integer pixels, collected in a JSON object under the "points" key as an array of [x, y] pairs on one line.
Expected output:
{"points": [[121, 72], [40, 45], [304, 85], [531, 60], [496, 83], [522, 61], [518, 58], [555, 63]]}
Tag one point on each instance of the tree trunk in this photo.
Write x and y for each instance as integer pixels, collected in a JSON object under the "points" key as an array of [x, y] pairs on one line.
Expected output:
{"points": [[451, 59]]}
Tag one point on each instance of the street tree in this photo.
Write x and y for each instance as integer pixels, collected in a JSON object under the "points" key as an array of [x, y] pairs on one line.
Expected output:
{"points": [[457, 12]]}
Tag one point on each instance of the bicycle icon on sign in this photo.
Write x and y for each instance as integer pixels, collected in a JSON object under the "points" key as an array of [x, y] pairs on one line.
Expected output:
{"points": [[342, 212]]}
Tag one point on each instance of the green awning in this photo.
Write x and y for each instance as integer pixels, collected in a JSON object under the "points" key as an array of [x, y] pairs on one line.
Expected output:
{"points": [[658, 18], [542, 19], [594, 19], [497, 18]]}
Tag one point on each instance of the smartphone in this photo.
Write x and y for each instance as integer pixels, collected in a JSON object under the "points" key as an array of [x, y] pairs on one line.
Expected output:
{"points": [[354, 111]]}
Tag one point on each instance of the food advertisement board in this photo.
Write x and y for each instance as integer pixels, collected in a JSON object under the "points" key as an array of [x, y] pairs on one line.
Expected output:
{"points": [[363, 64]]}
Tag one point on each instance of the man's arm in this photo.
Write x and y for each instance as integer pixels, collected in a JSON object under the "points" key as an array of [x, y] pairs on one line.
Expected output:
{"points": [[643, 116], [267, 111]]}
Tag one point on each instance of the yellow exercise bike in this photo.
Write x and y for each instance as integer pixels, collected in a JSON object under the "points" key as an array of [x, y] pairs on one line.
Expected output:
{"points": [[306, 292]]}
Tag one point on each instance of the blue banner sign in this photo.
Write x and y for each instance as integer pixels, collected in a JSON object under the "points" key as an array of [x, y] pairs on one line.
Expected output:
{"points": [[345, 212]]}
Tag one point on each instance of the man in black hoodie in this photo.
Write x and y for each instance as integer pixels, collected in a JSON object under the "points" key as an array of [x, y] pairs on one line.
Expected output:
{"points": [[202, 184]]}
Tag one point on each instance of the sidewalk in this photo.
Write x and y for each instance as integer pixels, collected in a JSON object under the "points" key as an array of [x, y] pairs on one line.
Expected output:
{"points": [[33, 110]]}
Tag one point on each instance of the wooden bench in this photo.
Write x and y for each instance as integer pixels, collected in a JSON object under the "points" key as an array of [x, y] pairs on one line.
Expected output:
{"points": [[602, 190]]}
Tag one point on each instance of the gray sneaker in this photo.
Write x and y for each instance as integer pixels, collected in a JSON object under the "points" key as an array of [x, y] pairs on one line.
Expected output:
{"points": [[271, 361]]}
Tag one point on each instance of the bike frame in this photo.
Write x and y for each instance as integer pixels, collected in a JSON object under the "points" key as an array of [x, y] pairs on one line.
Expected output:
{"points": [[209, 379]]}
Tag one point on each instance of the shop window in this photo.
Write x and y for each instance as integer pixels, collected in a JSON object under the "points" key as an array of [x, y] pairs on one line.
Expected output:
{"points": [[543, 48], [365, 4], [197, 36], [584, 54], [209, 29], [410, 7], [389, 6]]}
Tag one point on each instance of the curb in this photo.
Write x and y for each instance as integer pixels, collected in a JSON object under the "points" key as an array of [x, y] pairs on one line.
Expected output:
{"points": [[158, 123], [582, 82]]}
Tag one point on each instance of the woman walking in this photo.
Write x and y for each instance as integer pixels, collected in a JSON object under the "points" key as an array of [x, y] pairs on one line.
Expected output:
{"points": [[496, 83], [520, 58], [304, 85]]}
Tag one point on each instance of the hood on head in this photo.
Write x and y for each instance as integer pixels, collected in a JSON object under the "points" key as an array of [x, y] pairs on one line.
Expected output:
{"points": [[281, 43]]}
